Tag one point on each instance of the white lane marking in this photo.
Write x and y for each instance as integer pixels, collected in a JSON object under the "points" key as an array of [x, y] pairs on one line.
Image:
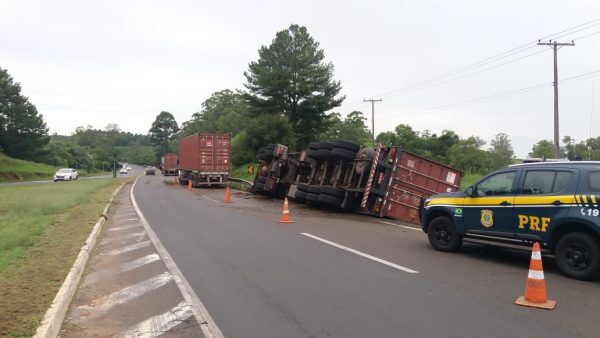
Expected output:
{"points": [[136, 235], [104, 304], [207, 324], [133, 219], [159, 324], [125, 227], [127, 248], [93, 277], [362, 254], [400, 225]]}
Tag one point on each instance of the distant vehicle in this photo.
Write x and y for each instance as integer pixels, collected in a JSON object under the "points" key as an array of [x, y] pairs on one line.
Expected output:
{"points": [[66, 174], [204, 159], [150, 171], [123, 170], [553, 203], [169, 164]]}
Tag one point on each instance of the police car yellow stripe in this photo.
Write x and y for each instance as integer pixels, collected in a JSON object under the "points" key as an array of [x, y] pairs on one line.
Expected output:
{"points": [[566, 200], [593, 198]]}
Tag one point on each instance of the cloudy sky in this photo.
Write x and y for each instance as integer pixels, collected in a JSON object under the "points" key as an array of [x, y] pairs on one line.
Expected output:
{"points": [[99, 62]]}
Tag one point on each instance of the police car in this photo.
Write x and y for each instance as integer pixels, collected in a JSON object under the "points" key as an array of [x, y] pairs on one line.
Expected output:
{"points": [[554, 203]]}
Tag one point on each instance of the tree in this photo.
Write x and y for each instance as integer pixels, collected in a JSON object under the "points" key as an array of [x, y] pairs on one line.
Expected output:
{"points": [[501, 151], [291, 79], [543, 149], [163, 132], [468, 156], [23, 131], [223, 112], [352, 128]]}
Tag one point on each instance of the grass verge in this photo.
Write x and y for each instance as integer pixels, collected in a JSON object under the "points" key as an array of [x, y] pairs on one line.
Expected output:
{"points": [[12, 169], [42, 228]]}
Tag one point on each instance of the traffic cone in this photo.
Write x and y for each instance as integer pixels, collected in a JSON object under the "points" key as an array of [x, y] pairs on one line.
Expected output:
{"points": [[175, 179], [535, 288], [227, 195], [285, 215], [189, 184]]}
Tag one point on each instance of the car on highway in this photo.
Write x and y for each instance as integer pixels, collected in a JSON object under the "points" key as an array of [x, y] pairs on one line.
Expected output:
{"points": [[554, 203], [66, 174], [150, 170], [123, 171]]}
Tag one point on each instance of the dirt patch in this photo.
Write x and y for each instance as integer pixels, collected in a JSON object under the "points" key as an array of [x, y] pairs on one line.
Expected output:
{"points": [[27, 289]]}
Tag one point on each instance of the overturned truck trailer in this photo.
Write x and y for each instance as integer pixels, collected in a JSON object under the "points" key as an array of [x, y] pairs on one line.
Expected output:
{"points": [[384, 181]]}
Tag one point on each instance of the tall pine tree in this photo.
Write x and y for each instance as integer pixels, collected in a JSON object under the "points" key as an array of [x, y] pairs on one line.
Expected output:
{"points": [[292, 79]]}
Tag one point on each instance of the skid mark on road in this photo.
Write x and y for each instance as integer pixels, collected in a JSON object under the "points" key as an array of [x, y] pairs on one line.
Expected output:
{"points": [[160, 324], [103, 305], [124, 267], [362, 254]]}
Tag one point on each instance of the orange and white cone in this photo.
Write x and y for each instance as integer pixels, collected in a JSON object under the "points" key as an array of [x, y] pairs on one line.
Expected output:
{"points": [[175, 179], [227, 195], [189, 184], [285, 214], [535, 288]]}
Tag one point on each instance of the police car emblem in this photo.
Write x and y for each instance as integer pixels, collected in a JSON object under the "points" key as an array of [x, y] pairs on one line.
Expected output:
{"points": [[487, 218]]}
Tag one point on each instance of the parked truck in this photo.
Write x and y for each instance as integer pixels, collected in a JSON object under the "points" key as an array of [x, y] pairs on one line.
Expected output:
{"points": [[384, 181], [205, 159], [169, 164]]}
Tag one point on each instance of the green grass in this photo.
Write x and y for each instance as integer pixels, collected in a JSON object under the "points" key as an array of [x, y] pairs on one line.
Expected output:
{"points": [[25, 211], [12, 169], [242, 172], [469, 179]]}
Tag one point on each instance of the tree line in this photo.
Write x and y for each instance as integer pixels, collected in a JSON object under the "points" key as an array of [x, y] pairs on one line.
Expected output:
{"points": [[289, 97]]}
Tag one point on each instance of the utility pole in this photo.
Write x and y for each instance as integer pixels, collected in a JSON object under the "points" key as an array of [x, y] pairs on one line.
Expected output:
{"points": [[372, 116], [555, 46]]}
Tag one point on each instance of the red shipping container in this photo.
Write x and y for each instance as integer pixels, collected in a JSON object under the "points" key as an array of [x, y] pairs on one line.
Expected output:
{"points": [[414, 177], [206, 153], [169, 161]]}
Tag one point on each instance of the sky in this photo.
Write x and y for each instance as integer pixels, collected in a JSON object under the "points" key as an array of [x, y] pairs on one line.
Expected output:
{"points": [[99, 62]]}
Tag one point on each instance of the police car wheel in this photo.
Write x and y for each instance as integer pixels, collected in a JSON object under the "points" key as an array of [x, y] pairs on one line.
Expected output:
{"points": [[578, 256], [442, 234]]}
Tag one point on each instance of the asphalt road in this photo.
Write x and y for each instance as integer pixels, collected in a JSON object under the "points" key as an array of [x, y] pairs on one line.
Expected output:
{"points": [[260, 278]]}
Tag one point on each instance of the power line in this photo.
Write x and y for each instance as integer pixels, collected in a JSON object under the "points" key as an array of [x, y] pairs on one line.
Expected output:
{"points": [[493, 96], [513, 51]]}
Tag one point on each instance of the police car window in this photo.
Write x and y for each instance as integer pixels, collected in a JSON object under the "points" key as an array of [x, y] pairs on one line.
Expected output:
{"points": [[497, 185], [594, 180], [545, 182]]}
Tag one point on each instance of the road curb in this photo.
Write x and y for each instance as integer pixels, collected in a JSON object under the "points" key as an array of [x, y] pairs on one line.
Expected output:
{"points": [[53, 319], [207, 325]]}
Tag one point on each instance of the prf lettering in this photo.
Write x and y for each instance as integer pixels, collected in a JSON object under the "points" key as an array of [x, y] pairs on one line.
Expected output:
{"points": [[535, 223]]}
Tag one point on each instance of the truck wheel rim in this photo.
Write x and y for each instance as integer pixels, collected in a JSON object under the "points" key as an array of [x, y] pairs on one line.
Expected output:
{"points": [[577, 256]]}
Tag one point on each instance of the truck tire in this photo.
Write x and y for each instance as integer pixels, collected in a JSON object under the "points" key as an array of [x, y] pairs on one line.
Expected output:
{"points": [[330, 200], [343, 154], [331, 191], [313, 189], [183, 182], [303, 187], [578, 255], [324, 154], [313, 146], [300, 196], [325, 145], [442, 234], [346, 145], [261, 179], [312, 197], [313, 153], [259, 186]]}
